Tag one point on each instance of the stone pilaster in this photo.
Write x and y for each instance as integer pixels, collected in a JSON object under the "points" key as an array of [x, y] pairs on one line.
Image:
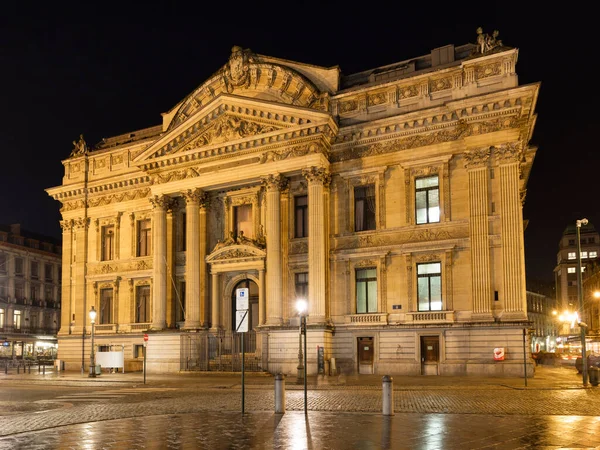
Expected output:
{"points": [[273, 185], [80, 307], [476, 164], [513, 255], [318, 179], [192, 259], [202, 249], [67, 299], [261, 297], [159, 267]]}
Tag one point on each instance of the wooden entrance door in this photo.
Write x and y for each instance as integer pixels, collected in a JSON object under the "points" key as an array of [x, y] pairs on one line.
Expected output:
{"points": [[430, 355], [366, 353]]}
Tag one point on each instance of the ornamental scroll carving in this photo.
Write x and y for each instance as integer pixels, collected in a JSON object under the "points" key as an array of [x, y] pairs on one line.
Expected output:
{"points": [[318, 175], [116, 198], [293, 152], [477, 157], [236, 73], [175, 175], [428, 235]]}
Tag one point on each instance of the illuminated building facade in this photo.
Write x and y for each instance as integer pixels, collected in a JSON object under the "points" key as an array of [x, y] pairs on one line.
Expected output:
{"points": [[390, 199]]}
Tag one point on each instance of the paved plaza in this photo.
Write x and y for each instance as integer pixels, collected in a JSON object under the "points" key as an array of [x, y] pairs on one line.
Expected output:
{"points": [[118, 411]]}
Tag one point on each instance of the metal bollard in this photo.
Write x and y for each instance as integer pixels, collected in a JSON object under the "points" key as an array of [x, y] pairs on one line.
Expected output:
{"points": [[388, 395], [39, 368], [6, 369], [44, 369], [279, 393], [29, 368], [18, 369]]}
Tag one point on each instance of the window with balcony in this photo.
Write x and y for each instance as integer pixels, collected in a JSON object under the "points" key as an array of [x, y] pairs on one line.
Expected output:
{"points": [[427, 199], [301, 216], [108, 242], [105, 311], [429, 286], [3, 263], [144, 241], [19, 291], [301, 285], [242, 219], [366, 290], [142, 304], [364, 208], [34, 291], [48, 290]]}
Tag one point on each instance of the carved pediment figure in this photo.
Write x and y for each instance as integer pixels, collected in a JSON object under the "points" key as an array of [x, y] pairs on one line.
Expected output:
{"points": [[236, 71]]}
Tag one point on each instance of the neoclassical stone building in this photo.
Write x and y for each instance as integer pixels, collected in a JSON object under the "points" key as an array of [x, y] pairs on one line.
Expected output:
{"points": [[390, 199]]}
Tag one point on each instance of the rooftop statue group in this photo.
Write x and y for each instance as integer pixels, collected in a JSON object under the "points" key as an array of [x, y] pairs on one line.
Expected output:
{"points": [[485, 42], [79, 147]]}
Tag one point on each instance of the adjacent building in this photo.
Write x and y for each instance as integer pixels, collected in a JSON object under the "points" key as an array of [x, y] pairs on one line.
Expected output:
{"points": [[390, 199], [30, 294], [542, 311]]}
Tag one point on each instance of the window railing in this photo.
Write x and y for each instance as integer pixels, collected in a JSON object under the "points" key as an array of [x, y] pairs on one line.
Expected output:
{"points": [[367, 319], [140, 326], [430, 316], [105, 328]]}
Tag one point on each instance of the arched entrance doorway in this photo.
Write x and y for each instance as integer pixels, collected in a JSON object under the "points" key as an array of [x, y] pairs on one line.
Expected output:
{"points": [[252, 303]]}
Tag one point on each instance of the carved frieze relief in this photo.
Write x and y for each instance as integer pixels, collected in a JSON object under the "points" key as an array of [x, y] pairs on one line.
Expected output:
{"points": [[293, 152], [440, 84], [129, 266], [428, 235]]}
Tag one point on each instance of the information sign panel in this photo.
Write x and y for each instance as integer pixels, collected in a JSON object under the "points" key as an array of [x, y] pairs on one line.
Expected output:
{"points": [[241, 299]]}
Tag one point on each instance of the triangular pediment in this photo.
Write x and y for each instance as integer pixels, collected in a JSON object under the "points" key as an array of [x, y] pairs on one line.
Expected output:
{"points": [[229, 120], [232, 253]]}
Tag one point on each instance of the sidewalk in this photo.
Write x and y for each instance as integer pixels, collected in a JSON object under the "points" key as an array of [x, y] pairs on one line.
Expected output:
{"points": [[546, 377]]}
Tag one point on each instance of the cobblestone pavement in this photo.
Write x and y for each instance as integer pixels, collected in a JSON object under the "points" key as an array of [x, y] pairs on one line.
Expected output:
{"points": [[554, 411]]}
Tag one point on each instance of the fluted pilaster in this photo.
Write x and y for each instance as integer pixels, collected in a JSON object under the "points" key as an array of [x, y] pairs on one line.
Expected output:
{"points": [[513, 255], [318, 179], [273, 185], [159, 272], [216, 313], [476, 164], [192, 260]]}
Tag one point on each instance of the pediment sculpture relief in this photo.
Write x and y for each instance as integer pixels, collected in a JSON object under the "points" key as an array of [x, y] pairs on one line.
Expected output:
{"points": [[236, 73], [239, 239]]}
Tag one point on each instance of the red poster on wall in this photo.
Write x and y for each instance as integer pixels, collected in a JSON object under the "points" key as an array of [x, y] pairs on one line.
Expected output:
{"points": [[499, 354]]}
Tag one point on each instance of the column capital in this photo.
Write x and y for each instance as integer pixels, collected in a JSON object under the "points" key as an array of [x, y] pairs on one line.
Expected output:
{"points": [[197, 196], [162, 201], [66, 225], [508, 153], [476, 158], [274, 182], [81, 223], [317, 175]]}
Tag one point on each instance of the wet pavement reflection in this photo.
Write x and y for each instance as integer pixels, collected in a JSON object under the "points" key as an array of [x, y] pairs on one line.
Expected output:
{"points": [[319, 430]]}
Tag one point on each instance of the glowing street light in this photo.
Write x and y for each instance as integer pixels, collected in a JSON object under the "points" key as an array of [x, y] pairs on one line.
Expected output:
{"points": [[92, 374]]}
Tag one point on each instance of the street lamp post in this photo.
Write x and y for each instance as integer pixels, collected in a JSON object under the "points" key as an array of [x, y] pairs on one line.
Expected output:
{"points": [[582, 325], [302, 307], [92, 353]]}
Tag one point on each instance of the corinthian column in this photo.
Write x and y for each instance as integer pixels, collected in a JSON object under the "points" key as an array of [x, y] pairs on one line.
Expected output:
{"points": [[476, 165], [203, 204], [192, 259], [318, 178], [513, 255], [273, 185], [159, 269]]}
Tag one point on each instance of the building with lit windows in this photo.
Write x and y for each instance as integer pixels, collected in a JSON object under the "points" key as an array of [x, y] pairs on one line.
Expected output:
{"points": [[390, 199], [542, 313], [30, 289]]}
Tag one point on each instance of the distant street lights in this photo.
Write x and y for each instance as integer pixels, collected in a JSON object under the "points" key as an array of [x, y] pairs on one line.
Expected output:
{"points": [[582, 325], [92, 353]]}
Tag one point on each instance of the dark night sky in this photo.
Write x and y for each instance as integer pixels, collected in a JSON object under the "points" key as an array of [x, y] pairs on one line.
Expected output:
{"points": [[102, 73]]}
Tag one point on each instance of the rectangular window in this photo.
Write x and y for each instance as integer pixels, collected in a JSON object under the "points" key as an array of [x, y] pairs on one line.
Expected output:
{"points": [[105, 312], [429, 286], [584, 255], [48, 272], [427, 199], [571, 241], [301, 282], [34, 291], [2, 262], [366, 291], [48, 293], [108, 242], [142, 304], [364, 208], [3, 290], [301, 216], [19, 291], [144, 246], [593, 254], [138, 351], [1, 318], [35, 269], [571, 270], [17, 320], [19, 266], [242, 216], [572, 255]]}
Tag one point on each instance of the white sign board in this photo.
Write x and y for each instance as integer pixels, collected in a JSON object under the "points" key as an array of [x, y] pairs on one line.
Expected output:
{"points": [[241, 299], [110, 359], [241, 321]]}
